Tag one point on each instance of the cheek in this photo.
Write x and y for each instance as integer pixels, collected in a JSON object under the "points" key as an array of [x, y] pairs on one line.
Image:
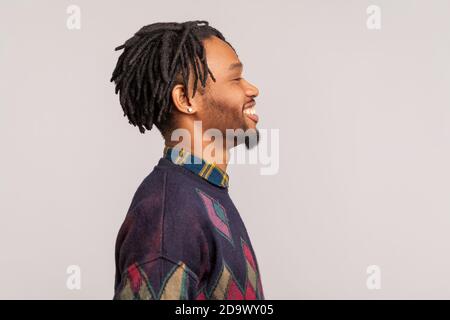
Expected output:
{"points": [[236, 97], [229, 97]]}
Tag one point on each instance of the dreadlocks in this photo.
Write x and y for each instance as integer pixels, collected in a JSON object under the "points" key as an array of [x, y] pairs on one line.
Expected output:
{"points": [[158, 57]]}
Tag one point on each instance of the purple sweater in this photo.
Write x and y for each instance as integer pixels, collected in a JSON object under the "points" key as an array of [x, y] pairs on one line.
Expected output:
{"points": [[183, 238]]}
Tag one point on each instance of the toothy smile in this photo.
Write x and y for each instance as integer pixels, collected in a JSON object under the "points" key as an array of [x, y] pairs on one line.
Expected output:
{"points": [[250, 112]]}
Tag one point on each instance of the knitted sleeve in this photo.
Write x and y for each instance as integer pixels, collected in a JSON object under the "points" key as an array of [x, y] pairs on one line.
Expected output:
{"points": [[161, 254], [159, 279]]}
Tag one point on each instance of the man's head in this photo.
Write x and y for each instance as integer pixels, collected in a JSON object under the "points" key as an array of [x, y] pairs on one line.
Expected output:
{"points": [[172, 74]]}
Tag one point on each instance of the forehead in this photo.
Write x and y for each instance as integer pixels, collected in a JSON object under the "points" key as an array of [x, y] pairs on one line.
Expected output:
{"points": [[219, 55]]}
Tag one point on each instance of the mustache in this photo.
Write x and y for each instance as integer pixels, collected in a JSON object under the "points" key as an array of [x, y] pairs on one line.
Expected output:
{"points": [[249, 104]]}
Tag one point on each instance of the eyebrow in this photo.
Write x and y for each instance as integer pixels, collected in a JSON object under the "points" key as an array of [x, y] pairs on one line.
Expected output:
{"points": [[236, 65]]}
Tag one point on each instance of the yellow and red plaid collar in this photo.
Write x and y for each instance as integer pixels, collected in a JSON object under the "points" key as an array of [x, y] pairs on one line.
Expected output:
{"points": [[206, 170]]}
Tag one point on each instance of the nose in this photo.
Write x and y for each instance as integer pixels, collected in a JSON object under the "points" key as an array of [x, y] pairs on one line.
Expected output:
{"points": [[251, 90]]}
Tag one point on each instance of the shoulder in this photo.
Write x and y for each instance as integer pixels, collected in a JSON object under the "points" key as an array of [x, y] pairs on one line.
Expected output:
{"points": [[169, 218]]}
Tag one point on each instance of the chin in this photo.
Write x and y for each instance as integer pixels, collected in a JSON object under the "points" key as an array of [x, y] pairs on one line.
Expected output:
{"points": [[252, 140]]}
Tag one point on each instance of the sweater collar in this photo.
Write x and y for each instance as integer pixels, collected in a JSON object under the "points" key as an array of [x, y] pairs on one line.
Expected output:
{"points": [[206, 170]]}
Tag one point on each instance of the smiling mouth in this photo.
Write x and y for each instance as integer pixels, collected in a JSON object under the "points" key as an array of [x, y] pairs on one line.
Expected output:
{"points": [[250, 112]]}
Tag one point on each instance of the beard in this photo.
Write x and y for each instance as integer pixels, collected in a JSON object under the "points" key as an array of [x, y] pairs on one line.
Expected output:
{"points": [[229, 117], [251, 139]]}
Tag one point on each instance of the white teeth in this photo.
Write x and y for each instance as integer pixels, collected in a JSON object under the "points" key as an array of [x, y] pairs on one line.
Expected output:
{"points": [[250, 110]]}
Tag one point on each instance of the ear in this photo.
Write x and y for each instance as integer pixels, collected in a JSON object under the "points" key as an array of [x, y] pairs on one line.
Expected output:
{"points": [[181, 100]]}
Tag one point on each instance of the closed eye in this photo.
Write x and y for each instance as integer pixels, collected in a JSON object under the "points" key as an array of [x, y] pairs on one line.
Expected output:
{"points": [[237, 79]]}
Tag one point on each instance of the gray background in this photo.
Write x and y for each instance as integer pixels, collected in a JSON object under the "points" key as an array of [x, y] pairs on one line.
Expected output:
{"points": [[364, 120]]}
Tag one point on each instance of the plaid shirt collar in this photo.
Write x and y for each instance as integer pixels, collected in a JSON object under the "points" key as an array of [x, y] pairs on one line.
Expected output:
{"points": [[204, 169]]}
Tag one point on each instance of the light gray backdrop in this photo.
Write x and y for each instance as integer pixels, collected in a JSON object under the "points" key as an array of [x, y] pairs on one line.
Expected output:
{"points": [[364, 118]]}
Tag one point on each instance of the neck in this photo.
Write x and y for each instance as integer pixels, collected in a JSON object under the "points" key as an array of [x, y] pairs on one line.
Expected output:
{"points": [[206, 150]]}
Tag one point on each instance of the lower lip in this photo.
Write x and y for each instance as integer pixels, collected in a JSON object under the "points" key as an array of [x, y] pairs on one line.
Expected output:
{"points": [[253, 117]]}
